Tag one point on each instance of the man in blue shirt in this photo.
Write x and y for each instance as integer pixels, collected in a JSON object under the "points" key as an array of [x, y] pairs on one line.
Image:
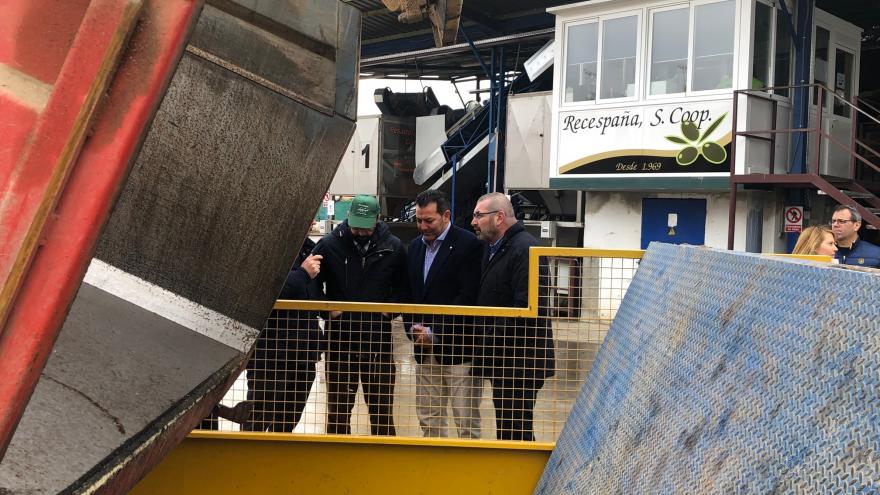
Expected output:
{"points": [[851, 250], [444, 268]]}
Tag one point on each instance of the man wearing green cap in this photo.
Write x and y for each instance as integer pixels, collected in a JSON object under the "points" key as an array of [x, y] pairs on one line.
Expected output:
{"points": [[364, 262]]}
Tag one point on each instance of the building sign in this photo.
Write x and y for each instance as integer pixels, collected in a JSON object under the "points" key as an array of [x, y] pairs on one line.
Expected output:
{"points": [[794, 218], [674, 138]]}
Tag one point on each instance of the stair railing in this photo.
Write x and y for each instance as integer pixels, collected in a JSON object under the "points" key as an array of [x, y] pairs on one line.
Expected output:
{"points": [[769, 135]]}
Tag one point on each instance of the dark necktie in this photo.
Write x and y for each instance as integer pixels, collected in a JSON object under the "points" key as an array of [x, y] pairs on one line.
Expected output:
{"points": [[493, 248]]}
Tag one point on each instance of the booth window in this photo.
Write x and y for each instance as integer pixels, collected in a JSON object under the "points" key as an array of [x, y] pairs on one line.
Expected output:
{"points": [[582, 48], [713, 46], [669, 51], [820, 61], [843, 70], [782, 57], [619, 43], [761, 44]]}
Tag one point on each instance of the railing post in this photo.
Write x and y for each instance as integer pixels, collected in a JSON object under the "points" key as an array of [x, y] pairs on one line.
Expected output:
{"points": [[731, 214], [773, 114], [819, 104], [453, 195], [853, 117], [493, 87], [733, 133]]}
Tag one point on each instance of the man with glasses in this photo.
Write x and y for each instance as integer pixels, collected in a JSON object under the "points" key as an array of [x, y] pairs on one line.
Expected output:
{"points": [[845, 223], [518, 352]]}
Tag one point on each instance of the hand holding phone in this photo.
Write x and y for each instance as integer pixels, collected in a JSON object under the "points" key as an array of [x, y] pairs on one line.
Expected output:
{"points": [[422, 334]]}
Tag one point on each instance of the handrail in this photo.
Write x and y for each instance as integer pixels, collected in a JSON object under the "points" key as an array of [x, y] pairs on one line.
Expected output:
{"points": [[863, 102], [849, 103], [852, 153], [864, 145], [535, 253], [764, 94]]}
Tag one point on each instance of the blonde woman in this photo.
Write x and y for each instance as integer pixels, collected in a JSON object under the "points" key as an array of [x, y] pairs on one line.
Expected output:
{"points": [[817, 239]]}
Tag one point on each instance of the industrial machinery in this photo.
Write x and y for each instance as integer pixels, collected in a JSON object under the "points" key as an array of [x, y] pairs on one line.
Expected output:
{"points": [[165, 164]]}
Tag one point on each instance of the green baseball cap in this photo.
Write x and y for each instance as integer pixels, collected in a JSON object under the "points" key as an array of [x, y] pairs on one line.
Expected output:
{"points": [[364, 212]]}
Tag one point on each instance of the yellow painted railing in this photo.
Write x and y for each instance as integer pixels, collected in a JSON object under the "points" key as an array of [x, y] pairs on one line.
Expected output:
{"points": [[271, 463], [535, 254], [247, 462]]}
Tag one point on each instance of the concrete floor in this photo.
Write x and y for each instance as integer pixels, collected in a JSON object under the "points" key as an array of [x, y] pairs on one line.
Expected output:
{"points": [[576, 342]]}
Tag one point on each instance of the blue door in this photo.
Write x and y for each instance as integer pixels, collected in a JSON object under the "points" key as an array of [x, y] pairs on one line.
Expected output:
{"points": [[673, 221]]}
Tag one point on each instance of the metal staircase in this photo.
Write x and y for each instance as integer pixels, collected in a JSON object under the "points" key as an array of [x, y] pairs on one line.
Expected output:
{"points": [[859, 190]]}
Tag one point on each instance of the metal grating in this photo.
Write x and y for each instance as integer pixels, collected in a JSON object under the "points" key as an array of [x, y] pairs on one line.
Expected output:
{"points": [[302, 366], [730, 373]]}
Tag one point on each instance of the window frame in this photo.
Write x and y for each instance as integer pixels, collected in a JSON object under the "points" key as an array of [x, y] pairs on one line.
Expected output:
{"points": [[828, 69], [771, 48], [734, 51], [600, 32], [644, 45], [639, 57], [777, 13], [649, 57], [837, 47], [566, 27]]}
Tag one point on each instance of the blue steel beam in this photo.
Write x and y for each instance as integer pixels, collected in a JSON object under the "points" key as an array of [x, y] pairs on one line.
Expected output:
{"points": [[801, 96], [800, 103]]}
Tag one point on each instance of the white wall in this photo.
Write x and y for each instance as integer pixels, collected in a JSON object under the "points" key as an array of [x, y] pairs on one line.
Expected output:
{"points": [[613, 220]]}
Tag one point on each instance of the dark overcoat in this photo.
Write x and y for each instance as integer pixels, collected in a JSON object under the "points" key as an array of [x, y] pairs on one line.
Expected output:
{"points": [[519, 347], [291, 338], [453, 279]]}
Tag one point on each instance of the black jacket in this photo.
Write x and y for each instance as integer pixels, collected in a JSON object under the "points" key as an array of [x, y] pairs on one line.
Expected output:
{"points": [[378, 276], [453, 279], [291, 337], [517, 346]]}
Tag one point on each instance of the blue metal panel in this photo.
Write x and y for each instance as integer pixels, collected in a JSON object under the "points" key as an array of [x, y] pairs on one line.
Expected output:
{"points": [[690, 228], [730, 373]]}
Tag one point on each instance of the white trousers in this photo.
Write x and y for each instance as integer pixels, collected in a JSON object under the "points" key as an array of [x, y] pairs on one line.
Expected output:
{"points": [[436, 385]]}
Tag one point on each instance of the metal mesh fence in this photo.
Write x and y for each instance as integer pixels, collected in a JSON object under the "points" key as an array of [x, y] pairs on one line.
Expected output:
{"points": [[415, 371]]}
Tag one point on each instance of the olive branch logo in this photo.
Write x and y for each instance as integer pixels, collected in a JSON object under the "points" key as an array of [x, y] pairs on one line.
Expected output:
{"points": [[695, 145]]}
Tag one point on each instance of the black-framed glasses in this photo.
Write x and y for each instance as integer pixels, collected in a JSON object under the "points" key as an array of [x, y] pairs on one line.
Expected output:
{"points": [[480, 214], [838, 221]]}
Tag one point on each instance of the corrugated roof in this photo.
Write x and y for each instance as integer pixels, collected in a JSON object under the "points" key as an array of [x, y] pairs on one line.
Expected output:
{"points": [[383, 34]]}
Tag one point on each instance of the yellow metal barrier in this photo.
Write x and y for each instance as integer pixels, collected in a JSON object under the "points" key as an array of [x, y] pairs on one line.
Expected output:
{"points": [[579, 292], [581, 295], [270, 463], [535, 255], [576, 298]]}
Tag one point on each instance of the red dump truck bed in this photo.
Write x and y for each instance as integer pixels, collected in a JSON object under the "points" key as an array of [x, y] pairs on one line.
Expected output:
{"points": [[165, 164]]}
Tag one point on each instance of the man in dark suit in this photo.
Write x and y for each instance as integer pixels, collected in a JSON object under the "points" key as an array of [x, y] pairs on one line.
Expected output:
{"points": [[444, 268], [519, 352]]}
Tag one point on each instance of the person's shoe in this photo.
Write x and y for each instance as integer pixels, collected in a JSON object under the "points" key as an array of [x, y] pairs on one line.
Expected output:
{"points": [[240, 414]]}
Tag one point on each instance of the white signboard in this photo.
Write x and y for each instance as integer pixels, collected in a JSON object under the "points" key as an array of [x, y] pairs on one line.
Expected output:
{"points": [[673, 138], [794, 218]]}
